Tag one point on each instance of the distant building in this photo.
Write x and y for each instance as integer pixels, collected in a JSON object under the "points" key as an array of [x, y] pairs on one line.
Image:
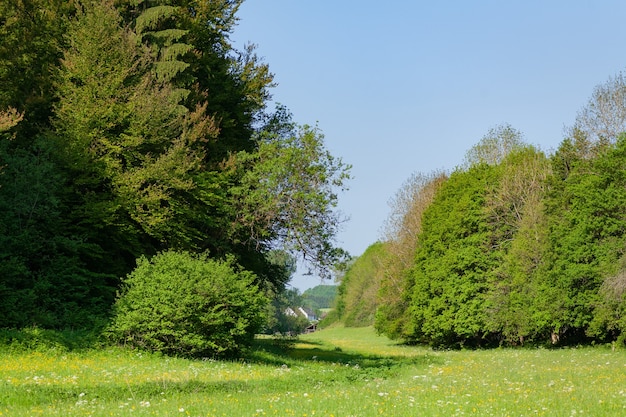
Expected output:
{"points": [[301, 312]]}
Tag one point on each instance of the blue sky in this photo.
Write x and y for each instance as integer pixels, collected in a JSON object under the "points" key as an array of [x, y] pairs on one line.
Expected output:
{"points": [[399, 87]]}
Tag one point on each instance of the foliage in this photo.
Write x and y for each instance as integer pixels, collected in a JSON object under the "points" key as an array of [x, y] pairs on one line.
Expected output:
{"points": [[288, 193], [182, 304], [356, 300], [401, 232], [122, 124], [603, 119], [279, 321], [320, 296], [587, 238], [43, 279], [494, 146], [516, 212], [453, 262]]}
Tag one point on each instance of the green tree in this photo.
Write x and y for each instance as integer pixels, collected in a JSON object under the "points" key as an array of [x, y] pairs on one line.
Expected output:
{"points": [[453, 263], [43, 280], [586, 214], [402, 231], [357, 292], [288, 194], [31, 41], [516, 212], [125, 143]]}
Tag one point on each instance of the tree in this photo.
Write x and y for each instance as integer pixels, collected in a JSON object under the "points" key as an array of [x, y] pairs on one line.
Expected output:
{"points": [[288, 193], [453, 262], [127, 146], [494, 146], [516, 211], [31, 41], [587, 223], [43, 279], [358, 290], [402, 231], [603, 119]]}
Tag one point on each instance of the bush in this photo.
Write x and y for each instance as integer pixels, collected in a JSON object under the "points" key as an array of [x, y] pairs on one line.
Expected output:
{"points": [[188, 305]]}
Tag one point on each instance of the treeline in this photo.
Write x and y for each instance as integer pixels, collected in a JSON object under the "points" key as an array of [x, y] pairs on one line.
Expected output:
{"points": [[135, 128], [513, 247]]}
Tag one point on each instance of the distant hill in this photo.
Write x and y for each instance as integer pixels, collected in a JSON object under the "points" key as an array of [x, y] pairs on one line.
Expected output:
{"points": [[321, 296]]}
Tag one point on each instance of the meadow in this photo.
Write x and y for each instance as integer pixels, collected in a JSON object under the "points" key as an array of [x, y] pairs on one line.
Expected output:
{"points": [[337, 372]]}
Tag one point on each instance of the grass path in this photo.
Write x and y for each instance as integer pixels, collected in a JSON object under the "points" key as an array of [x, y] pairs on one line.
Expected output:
{"points": [[336, 372]]}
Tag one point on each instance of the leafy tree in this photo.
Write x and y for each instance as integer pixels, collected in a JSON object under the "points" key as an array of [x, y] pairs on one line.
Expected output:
{"points": [[124, 141], [402, 230], [320, 296], [31, 40], [453, 263], [189, 305], [43, 280], [357, 292], [519, 232], [586, 240], [288, 193]]}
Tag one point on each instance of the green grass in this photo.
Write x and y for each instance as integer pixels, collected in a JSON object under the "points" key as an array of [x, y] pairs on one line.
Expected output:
{"points": [[335, 372]]}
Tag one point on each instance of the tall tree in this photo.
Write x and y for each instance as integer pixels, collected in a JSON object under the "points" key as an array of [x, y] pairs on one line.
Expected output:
{"points": [[288, 194], [453, 262], [515, 207], [402, 232], [586, 239], [127, 145]]}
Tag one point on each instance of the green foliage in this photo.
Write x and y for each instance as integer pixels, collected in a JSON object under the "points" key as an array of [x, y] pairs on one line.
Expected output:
{"points": [[587, 238], [402, 233], [453, 262], [121, 123], [181, 304], [320, 296], [516, 211], [288, 194], [34, 339], [357, 292], [31, 41], [43, 279]]}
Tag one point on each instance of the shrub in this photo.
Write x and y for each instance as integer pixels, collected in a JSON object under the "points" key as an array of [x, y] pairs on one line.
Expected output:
{"points": [[188, 305]]}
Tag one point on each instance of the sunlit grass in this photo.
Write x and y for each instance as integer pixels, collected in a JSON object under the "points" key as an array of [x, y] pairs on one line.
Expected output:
{"points": [[335, 372]]}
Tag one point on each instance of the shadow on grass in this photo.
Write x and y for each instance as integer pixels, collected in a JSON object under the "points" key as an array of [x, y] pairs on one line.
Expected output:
{"points": [[291, 351], [41, 340]]}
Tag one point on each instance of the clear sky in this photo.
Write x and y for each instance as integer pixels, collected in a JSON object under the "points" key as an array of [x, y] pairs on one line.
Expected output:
{"points": [[399, 87]]}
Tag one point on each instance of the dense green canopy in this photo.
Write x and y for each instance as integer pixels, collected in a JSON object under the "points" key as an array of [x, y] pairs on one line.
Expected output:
{"points": [[132, 127]]}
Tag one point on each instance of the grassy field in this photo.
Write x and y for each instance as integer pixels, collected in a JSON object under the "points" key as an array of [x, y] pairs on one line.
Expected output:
{"points": [[336, 372]]}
